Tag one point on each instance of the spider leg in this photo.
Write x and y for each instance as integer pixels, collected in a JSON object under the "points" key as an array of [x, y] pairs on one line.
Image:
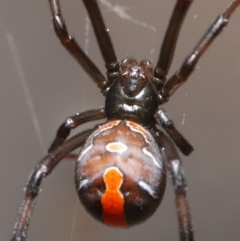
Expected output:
{"points": [[174, 166], [103, 39], [73, 48], [170, 40], [74, 121], [181, 76], [41, 171], [165, 121]]}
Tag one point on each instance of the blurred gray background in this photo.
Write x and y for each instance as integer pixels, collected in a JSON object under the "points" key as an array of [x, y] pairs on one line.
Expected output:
{"points": [[36, 69]]}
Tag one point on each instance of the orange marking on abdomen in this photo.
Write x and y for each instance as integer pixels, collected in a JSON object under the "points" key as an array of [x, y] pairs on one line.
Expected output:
{"points": [[112, 199]]}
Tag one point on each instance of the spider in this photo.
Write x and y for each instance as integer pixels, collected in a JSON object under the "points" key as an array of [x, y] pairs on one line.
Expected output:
{"points": [[120, 173]]}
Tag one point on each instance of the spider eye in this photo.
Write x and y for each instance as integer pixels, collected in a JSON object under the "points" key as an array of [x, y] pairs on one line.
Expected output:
{"points": [[128, 63], [147, 66]]}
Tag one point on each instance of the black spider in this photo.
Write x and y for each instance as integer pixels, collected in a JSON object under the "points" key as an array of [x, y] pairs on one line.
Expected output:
{"points": [[120, 172]]}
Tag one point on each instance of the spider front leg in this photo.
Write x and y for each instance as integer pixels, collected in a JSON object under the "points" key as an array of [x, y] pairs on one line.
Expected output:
{"points": [[73, 48], [170, 40], [187, 68], [41, 171], [174, 166], [103, 38]]}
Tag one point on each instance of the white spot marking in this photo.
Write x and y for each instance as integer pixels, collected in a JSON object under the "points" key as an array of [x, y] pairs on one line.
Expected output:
{"points": [[99, 130], [147, 188], [138, 131], [83, 183], [145, 151], [106, 126], [85, 151], [116, 147]]}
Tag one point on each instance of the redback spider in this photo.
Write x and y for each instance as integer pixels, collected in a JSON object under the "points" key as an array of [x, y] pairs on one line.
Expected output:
{"points": [[121, 169]]}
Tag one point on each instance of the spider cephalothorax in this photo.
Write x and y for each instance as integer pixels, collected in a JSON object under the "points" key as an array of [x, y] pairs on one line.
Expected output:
{"points": [[132, 95]]}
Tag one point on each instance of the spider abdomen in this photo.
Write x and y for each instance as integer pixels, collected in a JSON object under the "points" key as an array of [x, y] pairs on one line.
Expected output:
{"points": [[120, 174]]}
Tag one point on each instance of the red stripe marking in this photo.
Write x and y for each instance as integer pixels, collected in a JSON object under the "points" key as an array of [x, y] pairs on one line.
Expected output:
{"points": [[112, 199]]}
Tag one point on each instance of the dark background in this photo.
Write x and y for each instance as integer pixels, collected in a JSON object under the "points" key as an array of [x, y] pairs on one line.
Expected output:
{"points": [[208, 104]]}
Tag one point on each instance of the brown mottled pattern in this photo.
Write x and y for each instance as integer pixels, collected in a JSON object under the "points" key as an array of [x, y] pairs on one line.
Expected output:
{"points": [[134, 163]]}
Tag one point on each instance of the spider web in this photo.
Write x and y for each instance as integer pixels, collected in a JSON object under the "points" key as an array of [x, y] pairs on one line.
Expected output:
{"points": [[25, 88]]}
